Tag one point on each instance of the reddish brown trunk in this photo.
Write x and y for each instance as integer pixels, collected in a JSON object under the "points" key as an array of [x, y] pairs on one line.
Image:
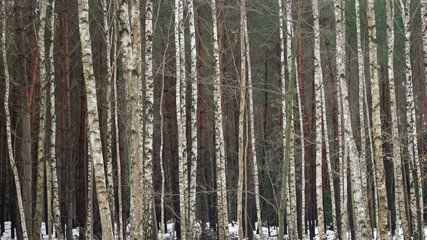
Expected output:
{"points": [[169, 97], [33, 55], [201, 137]]}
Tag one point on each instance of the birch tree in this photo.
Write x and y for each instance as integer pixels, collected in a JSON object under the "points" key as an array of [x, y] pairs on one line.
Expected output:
{"points": [[252, 129], [93, 122], [148, 197], [376, 123], [9, 129], [424, 32], [219, 136], [194, 99], [242, 102], [397, 155], [41, 156], [342, 156], [318, 77], [416, 178]]}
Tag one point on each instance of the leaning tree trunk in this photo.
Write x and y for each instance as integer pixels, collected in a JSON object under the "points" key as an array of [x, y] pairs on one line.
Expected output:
{"points": [[376, 123], [9, 129], [93, 122], [241, 153], [359, 207], [41, 156], [397, 155], [318, 78], [219, 136]]}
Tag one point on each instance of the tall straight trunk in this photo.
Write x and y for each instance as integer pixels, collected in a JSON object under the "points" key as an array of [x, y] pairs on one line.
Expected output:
{"points": [[24, 151], [181, 87], [242, 101], [162, 153], [397, 155], [90, 202], [416, 183], [9, 129], [93, 122], [362, 81], [194, 140], [219, 136], [376, 120], [131, 60], [340, 59], [42, 127], [318, 81], [148, 158], [108, 134], [251, 113], [56, 213]]}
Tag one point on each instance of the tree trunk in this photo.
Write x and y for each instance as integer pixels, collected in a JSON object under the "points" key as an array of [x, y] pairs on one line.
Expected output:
{"points": [[13, 165], [318, 81], [93, 122], [219, 136], [397, 155], [376, 120]]}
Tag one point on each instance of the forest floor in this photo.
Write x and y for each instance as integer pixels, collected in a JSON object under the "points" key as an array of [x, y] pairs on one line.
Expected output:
{"points": [[233, 227]]}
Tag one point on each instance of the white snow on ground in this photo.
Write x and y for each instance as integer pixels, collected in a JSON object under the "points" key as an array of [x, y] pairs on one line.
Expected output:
{"points": [[233, 227]]}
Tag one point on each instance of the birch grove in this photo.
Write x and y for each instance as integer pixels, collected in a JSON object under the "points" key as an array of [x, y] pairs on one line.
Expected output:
{"points": [[213, 119]]}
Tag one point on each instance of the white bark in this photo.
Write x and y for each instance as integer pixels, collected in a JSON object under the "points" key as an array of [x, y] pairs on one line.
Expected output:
{"points": [[416, 183], [252, 129], [148, 196], [107, 107], [9, 129], [318, 77], [340, 59], [194, 99], [376, 120], [397, 155], [242, 103], [219, 136], [41, 156], [93, 122]]}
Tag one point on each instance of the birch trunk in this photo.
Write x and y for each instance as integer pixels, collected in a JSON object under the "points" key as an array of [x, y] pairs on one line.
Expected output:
{"points": [[397, 155], [181, 87], [131, 59], [252, 129], [376, 120], [56, 214], [318, 78], [42, 120], [107, 107], [362, 96], [416, 183], [359, 206], [9, 129], [148, 159], [241, 125], [219, 136], [89, 216], [93, 122], [194, 99], [342, 150]]}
